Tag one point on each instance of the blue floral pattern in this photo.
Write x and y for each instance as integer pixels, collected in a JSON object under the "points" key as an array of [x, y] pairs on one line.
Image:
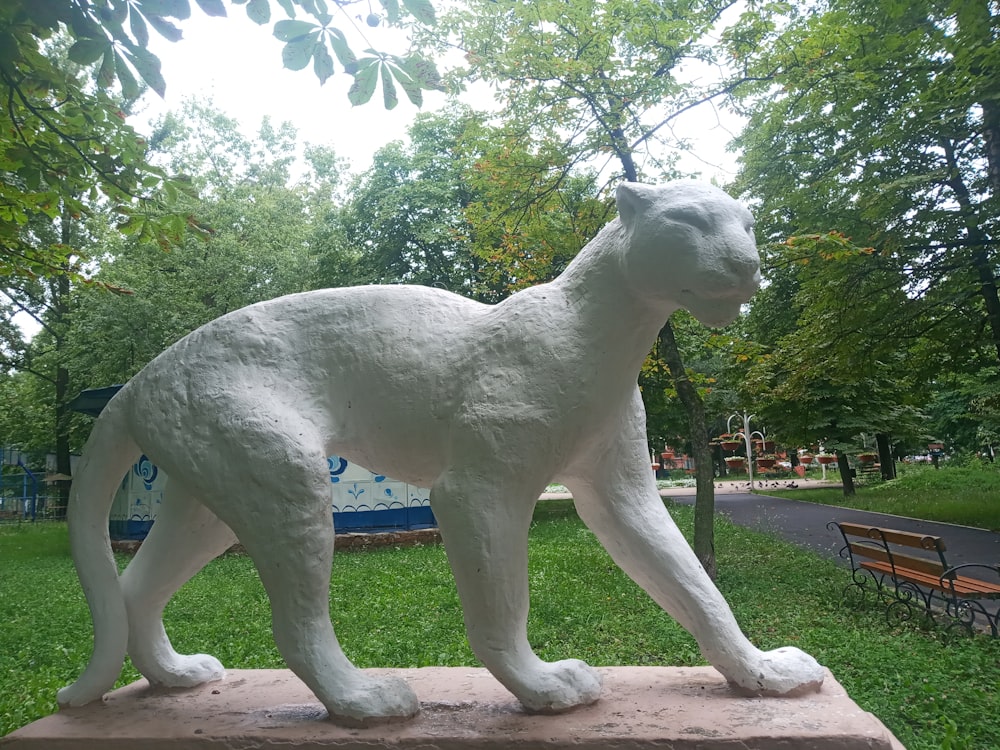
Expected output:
{"points": [[146, 470]]}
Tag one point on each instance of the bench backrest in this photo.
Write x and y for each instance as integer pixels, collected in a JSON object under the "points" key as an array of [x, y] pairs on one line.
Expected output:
{"points": [[883, 545]]}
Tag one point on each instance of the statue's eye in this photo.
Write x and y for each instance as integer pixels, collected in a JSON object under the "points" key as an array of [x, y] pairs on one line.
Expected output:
{"points": [[693, 216]]}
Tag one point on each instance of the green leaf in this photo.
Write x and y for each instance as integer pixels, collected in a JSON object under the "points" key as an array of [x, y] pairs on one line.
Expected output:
{"points": [[424, 72], [288, 7], [83, 25], [343, 51], [259, 11], [422, 10], [179, 9], [130, 87], [139, 30], [165, 28], [389, 96], [287, 31], [118, 33], [322, 63], [9, 51], [118, 11], [147, 65], [46, 13], [364, 83], [106, 74], [391, 8], [410, 87], [131, 226], [296, 54], [86, 51], [212, 7], [32, 177]]}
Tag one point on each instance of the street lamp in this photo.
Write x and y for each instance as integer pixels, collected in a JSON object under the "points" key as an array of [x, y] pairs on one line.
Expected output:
{"points": [[746, 434]]}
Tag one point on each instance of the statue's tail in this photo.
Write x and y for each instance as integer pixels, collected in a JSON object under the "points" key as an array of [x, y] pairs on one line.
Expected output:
{"points": [[107, 456]]}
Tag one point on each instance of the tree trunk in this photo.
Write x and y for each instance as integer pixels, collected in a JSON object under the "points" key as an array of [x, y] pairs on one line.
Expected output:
{"points": [[59, 325], [63, 465], [885, 458], [704, 506], [846, 473], [982, 262], [987, 287]]}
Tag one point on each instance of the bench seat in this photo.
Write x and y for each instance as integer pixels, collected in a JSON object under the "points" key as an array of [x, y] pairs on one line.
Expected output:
{"points": [[962, 586]]}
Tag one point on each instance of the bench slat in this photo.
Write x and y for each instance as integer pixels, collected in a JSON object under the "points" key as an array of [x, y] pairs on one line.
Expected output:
{"points": [[922, 564], [894, 536], [987, 589], [962, 586]]}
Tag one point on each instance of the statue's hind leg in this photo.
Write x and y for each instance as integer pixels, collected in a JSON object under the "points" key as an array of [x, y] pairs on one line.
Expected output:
{"points": [[184, 537], [284, 519]]}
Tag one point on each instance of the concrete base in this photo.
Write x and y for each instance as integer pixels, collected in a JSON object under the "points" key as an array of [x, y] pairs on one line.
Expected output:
{"points": [[461, 709]]}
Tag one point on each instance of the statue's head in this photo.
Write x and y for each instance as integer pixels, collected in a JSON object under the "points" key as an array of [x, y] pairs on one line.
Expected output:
{"points": [[689, 244]]}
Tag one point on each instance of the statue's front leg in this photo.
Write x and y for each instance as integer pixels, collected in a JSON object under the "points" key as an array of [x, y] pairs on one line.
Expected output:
{"points": [[484, 524], [619, 501]]}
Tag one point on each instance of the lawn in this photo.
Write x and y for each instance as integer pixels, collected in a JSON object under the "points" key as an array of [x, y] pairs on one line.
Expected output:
{"points": [[963, 494], [398, 608]]}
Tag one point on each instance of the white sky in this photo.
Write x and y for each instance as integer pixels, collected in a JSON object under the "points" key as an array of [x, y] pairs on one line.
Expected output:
{"points": [[237, 64]]}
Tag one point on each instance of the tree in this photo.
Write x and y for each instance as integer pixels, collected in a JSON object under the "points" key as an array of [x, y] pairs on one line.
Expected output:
{"points": [[599, 77], [603, 73], [824, 370], [709, 366], [63, 149], [436, 212], [263, 244], [879, 121], [47, 301], [64, 138], [872, 141], [405, 218], [531, 211], [267, 231], [964, 414]]}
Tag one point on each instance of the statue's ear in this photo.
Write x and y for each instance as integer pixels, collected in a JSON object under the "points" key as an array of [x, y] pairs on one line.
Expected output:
{"points": [[633, 199]]}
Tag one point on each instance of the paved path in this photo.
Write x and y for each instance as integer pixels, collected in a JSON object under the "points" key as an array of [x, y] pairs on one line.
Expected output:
{"points": [[805, 523]]}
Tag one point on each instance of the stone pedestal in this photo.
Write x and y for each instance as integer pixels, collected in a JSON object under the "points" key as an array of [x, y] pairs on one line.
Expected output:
{"points": [[464, 709]]}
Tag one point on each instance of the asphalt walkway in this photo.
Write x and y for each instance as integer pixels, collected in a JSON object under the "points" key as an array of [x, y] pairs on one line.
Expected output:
{"points": [[804, 524]]}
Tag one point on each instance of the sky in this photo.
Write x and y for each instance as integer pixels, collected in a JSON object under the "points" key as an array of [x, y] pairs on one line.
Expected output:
{"points": [[237, 65]]}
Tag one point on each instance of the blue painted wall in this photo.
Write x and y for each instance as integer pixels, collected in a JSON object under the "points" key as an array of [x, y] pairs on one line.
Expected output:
{"points": [[360, 500]]}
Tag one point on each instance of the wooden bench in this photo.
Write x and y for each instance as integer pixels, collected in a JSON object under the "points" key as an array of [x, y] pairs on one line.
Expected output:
{"points": [[884, 559]]}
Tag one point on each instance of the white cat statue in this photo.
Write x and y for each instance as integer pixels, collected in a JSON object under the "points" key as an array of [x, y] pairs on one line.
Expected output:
{"points": [[484, 404]]}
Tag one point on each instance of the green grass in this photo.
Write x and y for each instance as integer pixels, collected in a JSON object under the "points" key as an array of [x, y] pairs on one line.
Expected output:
{"points": [[398, 608], [966, 495]]}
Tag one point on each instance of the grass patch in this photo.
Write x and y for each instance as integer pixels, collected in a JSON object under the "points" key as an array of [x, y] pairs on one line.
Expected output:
{"points": [[398, 608], [965, 495]]}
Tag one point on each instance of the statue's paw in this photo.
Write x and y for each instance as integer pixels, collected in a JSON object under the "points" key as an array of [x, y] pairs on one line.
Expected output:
{"points": [[79, 694], [186, 671], [784, 673], [372, 700], [561, 685]]}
